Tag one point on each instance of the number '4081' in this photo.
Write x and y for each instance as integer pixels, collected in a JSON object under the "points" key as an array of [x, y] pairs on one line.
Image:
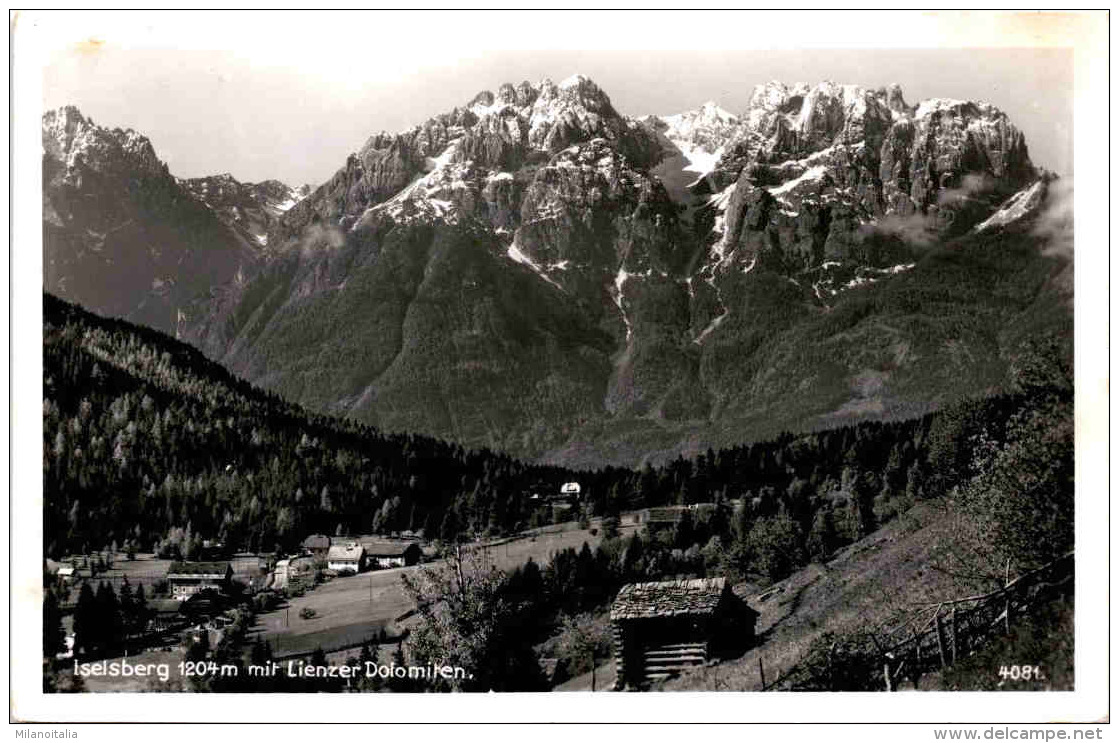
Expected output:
{"points": [[1020, 673]]}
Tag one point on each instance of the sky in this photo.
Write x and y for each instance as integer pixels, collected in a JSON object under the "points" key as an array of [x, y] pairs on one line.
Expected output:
{"points": [[289, 96]]}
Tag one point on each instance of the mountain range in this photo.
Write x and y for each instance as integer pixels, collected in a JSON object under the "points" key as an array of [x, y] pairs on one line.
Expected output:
{"points": [[537, 273]]}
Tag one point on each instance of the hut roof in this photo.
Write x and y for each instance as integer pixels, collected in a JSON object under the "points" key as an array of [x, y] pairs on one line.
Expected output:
{"points": [[696, 597]]}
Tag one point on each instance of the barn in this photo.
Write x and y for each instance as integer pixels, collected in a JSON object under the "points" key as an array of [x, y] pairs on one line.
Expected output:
{"points": [[662, 628]]}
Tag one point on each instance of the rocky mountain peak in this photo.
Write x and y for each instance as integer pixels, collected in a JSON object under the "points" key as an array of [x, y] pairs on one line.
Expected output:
{"points": [[76, 143], [816, 169], [894, 98]]}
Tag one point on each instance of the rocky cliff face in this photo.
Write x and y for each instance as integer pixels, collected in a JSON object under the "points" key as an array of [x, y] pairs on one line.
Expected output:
{"points": [[536, 272]]}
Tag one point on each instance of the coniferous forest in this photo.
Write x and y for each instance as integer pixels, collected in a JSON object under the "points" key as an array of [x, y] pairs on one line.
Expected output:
{"points": [[151, 447]]}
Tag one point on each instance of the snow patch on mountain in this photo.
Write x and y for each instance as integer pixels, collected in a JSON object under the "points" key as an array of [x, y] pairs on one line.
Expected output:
{"points": [[933, 105], [1016, 207], [515, 253], [718, 319], [701, 135], [811, 175], [619, 299]]}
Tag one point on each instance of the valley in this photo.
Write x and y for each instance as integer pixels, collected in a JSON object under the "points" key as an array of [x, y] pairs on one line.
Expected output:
{"points": [[794, 370]]}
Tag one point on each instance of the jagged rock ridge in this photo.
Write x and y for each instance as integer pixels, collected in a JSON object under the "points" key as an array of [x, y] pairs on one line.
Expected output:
{"points": [[536, 272]]}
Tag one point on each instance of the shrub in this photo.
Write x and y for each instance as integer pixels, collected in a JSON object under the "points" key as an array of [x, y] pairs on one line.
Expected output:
{"points": [[835, 662], [307, 612]]}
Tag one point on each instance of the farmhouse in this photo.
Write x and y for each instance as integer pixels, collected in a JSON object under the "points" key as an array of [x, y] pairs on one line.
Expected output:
{"points": [[662, 628], [189, 578], [346, 558], [393, 553]]}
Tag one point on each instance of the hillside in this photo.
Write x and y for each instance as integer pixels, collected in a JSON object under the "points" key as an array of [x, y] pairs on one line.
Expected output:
{"points": [[876, 585], [147, 443]]}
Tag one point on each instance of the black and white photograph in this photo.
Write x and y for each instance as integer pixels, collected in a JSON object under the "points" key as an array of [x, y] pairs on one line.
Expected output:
{"points": [[457, 356]]}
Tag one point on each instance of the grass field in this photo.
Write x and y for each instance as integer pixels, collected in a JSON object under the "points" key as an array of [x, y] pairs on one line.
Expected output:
{"points": [[348, 610], [542, 543], [352, 609]]}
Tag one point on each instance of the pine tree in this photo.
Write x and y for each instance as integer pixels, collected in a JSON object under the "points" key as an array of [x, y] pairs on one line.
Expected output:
{"points": [[54, 637], [140, 608], [915, 482], [85, 621], [108, 617], [822, 538], [368, 659], [127, 607]]}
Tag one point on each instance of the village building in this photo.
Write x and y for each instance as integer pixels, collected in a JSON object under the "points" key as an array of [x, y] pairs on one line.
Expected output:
{"points": [[293, 573], [667, 517], [660, 629], [165, 615], [318, 545], [346, 558], [392, 553], [189, 578]]}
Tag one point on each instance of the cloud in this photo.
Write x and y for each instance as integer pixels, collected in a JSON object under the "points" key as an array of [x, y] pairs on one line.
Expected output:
{"points": [[916, 229], [970, 184], [1055, 221], [316, 238]]}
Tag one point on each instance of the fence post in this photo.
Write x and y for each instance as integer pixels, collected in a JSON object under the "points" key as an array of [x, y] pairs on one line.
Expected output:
{"points": [[1007, 613], [940, 640], [955, 641], [917, 668]]}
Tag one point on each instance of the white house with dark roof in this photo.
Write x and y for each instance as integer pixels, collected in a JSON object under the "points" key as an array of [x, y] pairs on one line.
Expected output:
{"points": [[348, 557]]}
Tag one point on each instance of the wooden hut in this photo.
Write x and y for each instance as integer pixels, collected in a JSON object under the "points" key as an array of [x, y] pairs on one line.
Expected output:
{"points": [[662, 628]]}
